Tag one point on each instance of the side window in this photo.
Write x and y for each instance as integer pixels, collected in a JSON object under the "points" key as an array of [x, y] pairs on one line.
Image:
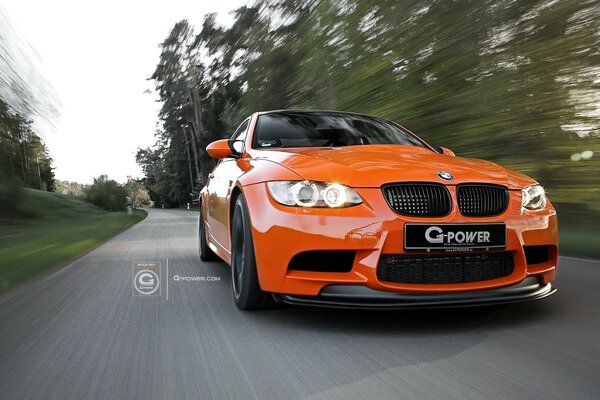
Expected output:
{"points": [[240, 133]]}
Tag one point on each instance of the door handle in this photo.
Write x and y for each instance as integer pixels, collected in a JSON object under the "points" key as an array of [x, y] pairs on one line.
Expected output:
{"points": [[211, 175]]}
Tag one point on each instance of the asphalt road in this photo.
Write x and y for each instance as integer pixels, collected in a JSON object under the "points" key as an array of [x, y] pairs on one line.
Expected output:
{"points": [[79, 333]]}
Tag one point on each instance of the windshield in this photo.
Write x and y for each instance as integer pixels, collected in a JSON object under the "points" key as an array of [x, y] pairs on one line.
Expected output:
{"points": [[327, 129]]}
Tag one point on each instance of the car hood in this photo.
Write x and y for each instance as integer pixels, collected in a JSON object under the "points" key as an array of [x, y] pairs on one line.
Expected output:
{"points": [[376, 165]]}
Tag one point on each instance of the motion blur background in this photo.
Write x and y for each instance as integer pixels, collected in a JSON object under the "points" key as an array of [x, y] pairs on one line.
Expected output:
{"points": [[515, 82]]}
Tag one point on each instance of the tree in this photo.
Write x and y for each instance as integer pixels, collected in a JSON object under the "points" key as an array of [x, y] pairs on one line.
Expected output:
{"points": [[24, 96], [107, 194], [24, 160], [513, 82], [70, 188], [137, 193]]}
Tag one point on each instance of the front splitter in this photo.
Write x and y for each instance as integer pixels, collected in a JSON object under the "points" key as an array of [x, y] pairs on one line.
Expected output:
{"points": [[362, 297]]}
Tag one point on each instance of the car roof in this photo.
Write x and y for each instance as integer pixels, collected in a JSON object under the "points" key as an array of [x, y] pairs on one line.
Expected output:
{"points": [[309, 111]]}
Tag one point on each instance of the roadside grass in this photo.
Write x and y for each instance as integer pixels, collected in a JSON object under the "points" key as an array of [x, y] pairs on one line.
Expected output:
{"points": [[579, 244], [58, 229]]}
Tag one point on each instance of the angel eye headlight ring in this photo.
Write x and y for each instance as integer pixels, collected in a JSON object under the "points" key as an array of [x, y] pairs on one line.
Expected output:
{"points": [[305, 194], [334, 195]]}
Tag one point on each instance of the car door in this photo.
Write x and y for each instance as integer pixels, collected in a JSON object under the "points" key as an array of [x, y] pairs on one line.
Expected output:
{"points": [[220, 184]]}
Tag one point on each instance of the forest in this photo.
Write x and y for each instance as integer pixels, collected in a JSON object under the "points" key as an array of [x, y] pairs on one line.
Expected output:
{"points": [[24, 159], [515, 82], [25, 97]]}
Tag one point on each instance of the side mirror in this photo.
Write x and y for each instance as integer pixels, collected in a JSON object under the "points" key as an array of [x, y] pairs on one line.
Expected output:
{"points": [[447, 151], [225, 148], [444, 150]]}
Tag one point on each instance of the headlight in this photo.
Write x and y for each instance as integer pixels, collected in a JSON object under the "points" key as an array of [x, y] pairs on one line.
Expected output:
{"points": [[533, 197], [313, 194]]}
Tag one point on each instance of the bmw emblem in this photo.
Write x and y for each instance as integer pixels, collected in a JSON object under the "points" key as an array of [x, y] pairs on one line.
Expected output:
{"points": [[447, 176]]}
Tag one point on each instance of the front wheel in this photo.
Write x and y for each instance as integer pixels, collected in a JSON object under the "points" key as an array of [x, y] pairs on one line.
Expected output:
{"points": [[244, 277]]}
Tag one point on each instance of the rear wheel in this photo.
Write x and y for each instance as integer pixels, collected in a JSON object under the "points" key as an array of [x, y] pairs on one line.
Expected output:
{"points": [[244, 277], [206, 254]]}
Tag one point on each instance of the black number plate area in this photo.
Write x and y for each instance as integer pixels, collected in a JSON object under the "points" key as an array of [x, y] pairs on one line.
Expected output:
{"points": [[454, 237]]}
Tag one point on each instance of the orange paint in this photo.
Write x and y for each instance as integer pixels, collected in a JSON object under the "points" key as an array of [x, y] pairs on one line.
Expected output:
{"points": [[372, 228]]}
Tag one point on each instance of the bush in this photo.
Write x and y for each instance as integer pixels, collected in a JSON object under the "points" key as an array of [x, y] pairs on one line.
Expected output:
{"points": [[107, 194], [10, 196], [141, 198]]}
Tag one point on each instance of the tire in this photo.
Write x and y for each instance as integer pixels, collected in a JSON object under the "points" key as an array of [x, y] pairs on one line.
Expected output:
{"points": [[244, 276], [206, 254]]}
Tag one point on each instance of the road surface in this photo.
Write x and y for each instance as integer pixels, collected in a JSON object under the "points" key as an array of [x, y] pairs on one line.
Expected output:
{"points": [[79, 333]]}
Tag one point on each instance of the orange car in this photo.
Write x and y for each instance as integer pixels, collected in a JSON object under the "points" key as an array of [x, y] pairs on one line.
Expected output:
{"points": [[339, 209]]}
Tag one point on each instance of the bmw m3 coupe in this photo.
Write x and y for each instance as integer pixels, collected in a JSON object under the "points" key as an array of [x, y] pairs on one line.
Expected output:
{"points": [[339, 209]]}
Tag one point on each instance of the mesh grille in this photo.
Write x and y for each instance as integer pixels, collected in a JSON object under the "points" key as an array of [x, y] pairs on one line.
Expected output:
{"points": [[421, 200], [482, 200], [443, 268]]}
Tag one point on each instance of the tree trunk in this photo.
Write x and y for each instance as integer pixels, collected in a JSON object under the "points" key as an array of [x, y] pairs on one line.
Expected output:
{"points": [[187, 151], [21, 157], [196, 131], [192, 142]]}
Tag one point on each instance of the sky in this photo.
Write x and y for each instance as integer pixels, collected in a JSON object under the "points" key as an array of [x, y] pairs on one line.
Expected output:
{"points": [[97, 55]]}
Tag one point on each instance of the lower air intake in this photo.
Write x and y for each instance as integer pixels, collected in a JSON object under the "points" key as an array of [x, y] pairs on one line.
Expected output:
{"points": [[323, 261], [444, 268]]}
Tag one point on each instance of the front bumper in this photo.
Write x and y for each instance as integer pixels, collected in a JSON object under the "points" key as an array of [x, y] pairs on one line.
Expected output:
{"points": [[371, 230], [362, 297]]}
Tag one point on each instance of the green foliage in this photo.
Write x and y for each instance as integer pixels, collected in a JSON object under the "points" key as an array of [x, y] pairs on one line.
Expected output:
{"points": [[24, 161], [107, 194], [64, 228], [137, 193], [11, 193], [24, 158], [70, 188], [512, 82], [200, 104], [24, 95], [141, 198]]}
